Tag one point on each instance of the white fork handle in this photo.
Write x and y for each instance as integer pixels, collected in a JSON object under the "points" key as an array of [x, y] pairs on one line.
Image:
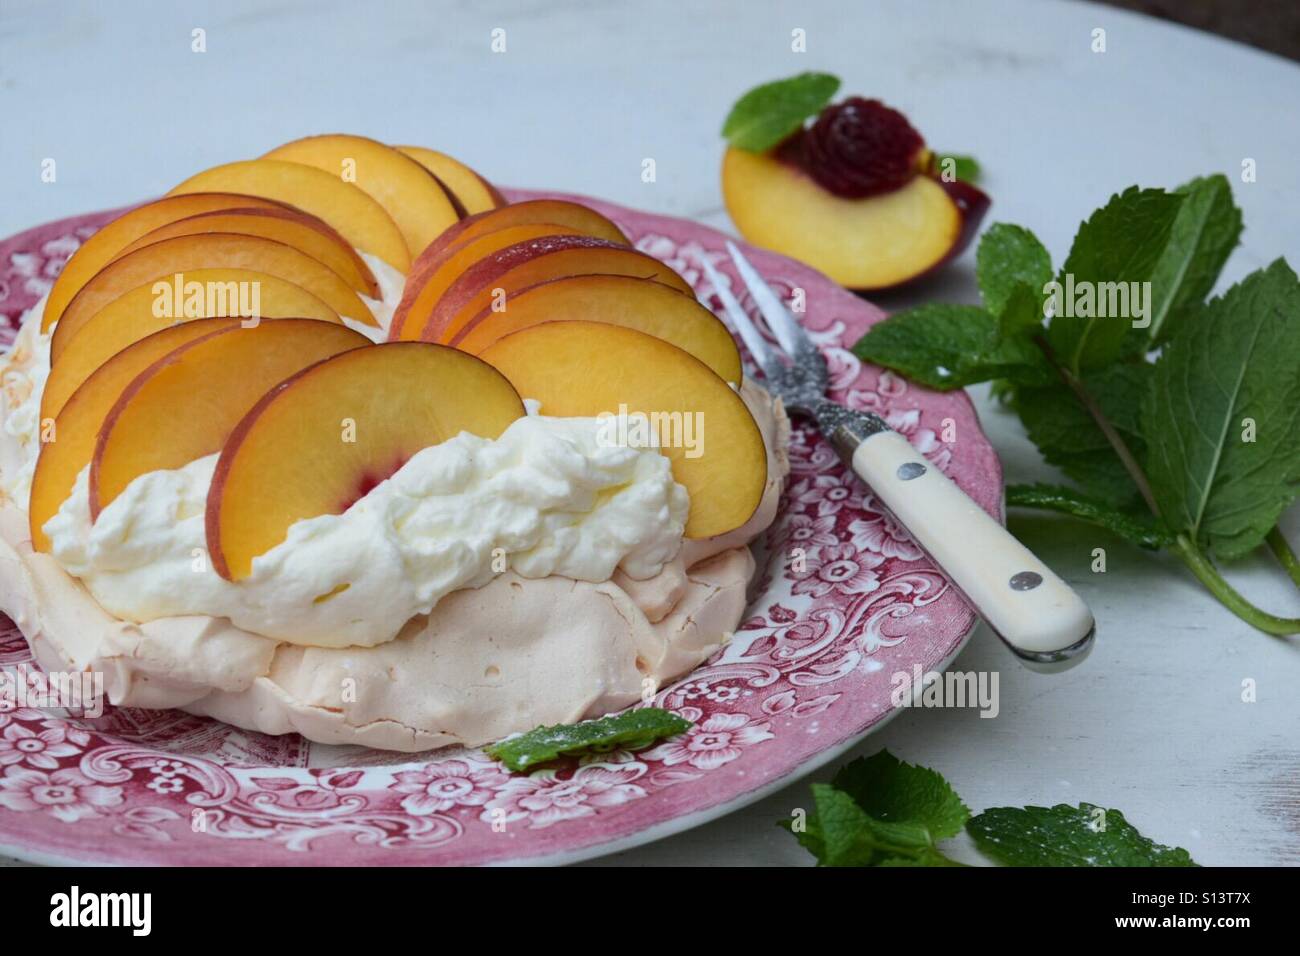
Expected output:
{"points": [[1035, 613]]}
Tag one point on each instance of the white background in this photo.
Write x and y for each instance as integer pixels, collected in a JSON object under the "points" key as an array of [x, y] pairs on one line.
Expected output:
{"points": [[1153, 723]]}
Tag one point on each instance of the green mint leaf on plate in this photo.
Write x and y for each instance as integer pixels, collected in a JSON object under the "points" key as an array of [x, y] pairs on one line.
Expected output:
{"points": [[899, 793], [1068, 437], [632, 729], [1204, 234], [1120, 244], [1067, 836], [1222, 415], [769, 113], [1007, 257], [1135, 528], [951, 346], [952, 166]]}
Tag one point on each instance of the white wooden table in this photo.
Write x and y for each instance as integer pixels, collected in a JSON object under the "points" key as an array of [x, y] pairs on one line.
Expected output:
{"points": [[1154, 723]]}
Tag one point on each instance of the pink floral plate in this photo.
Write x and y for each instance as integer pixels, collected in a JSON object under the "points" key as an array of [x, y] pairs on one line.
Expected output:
{"points": [[842, 600]]}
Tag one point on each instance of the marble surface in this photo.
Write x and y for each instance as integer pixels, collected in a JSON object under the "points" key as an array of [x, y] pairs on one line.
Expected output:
{"points": [[1153, 723]]}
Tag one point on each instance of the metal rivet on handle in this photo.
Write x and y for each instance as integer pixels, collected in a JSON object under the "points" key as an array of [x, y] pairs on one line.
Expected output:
{"points": [[1025, 581], [909, 470]]}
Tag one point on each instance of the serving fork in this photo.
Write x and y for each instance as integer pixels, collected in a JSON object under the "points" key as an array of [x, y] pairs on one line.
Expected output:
{"points": [[1036, 614]]}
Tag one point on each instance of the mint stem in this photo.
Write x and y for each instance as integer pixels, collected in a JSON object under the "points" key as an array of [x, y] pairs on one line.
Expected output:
{"points": [[1209, 575], [1285, 556]]}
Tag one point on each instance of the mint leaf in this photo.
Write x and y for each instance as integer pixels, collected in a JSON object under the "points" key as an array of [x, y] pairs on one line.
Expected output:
{"points": [[879, 811], [925, 858], [963, 168], [1136, 528], [1022, 313], [1120, 243], [769, 113], [632, 728], [1007, 257], [1068, 438], [840, 833], [951, 346], [847, 835], [1230, 370], [1207, 229], [1068, 836], [899, 793]]}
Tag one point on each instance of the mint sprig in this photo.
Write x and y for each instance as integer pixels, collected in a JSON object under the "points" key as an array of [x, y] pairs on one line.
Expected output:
{"points": [[769, 113], [879, 811], [630, 729], [1180, 431]]}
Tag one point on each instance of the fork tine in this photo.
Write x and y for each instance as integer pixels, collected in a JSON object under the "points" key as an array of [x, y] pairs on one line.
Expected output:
{"points": [[787, 331], [749, 333]]}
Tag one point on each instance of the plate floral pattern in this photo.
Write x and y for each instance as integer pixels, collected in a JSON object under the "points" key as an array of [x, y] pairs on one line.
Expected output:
{"points": [[842, 600]]}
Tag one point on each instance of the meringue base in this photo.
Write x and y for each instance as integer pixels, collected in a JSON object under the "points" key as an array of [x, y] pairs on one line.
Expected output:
{"points": [[485, 663]]}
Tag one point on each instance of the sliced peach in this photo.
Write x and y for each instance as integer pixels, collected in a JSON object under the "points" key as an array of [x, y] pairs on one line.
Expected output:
{"points": [[641, 304], [72, 442], [97, 251], [185, 405], [474, 193], [290, 458], [489, 283], [353, 212], [163, 261], [587, 369], [871, 243], [133, 316], [418, 298], [290, 226], [586, 221], [412, 195]]}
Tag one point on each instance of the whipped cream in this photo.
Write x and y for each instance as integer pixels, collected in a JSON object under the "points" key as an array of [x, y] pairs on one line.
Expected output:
{"points": [[25, 368], [546, 498], [391, 283]]}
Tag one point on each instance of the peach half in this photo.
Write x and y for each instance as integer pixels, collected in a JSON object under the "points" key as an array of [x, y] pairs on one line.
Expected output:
{"points": [[131, 317], [490, 282], [97, 251], [863, 244], [589, 369], [164, 261], [185, 405], [356, 215], [641, 304], [293, 456], [472, 192]]}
